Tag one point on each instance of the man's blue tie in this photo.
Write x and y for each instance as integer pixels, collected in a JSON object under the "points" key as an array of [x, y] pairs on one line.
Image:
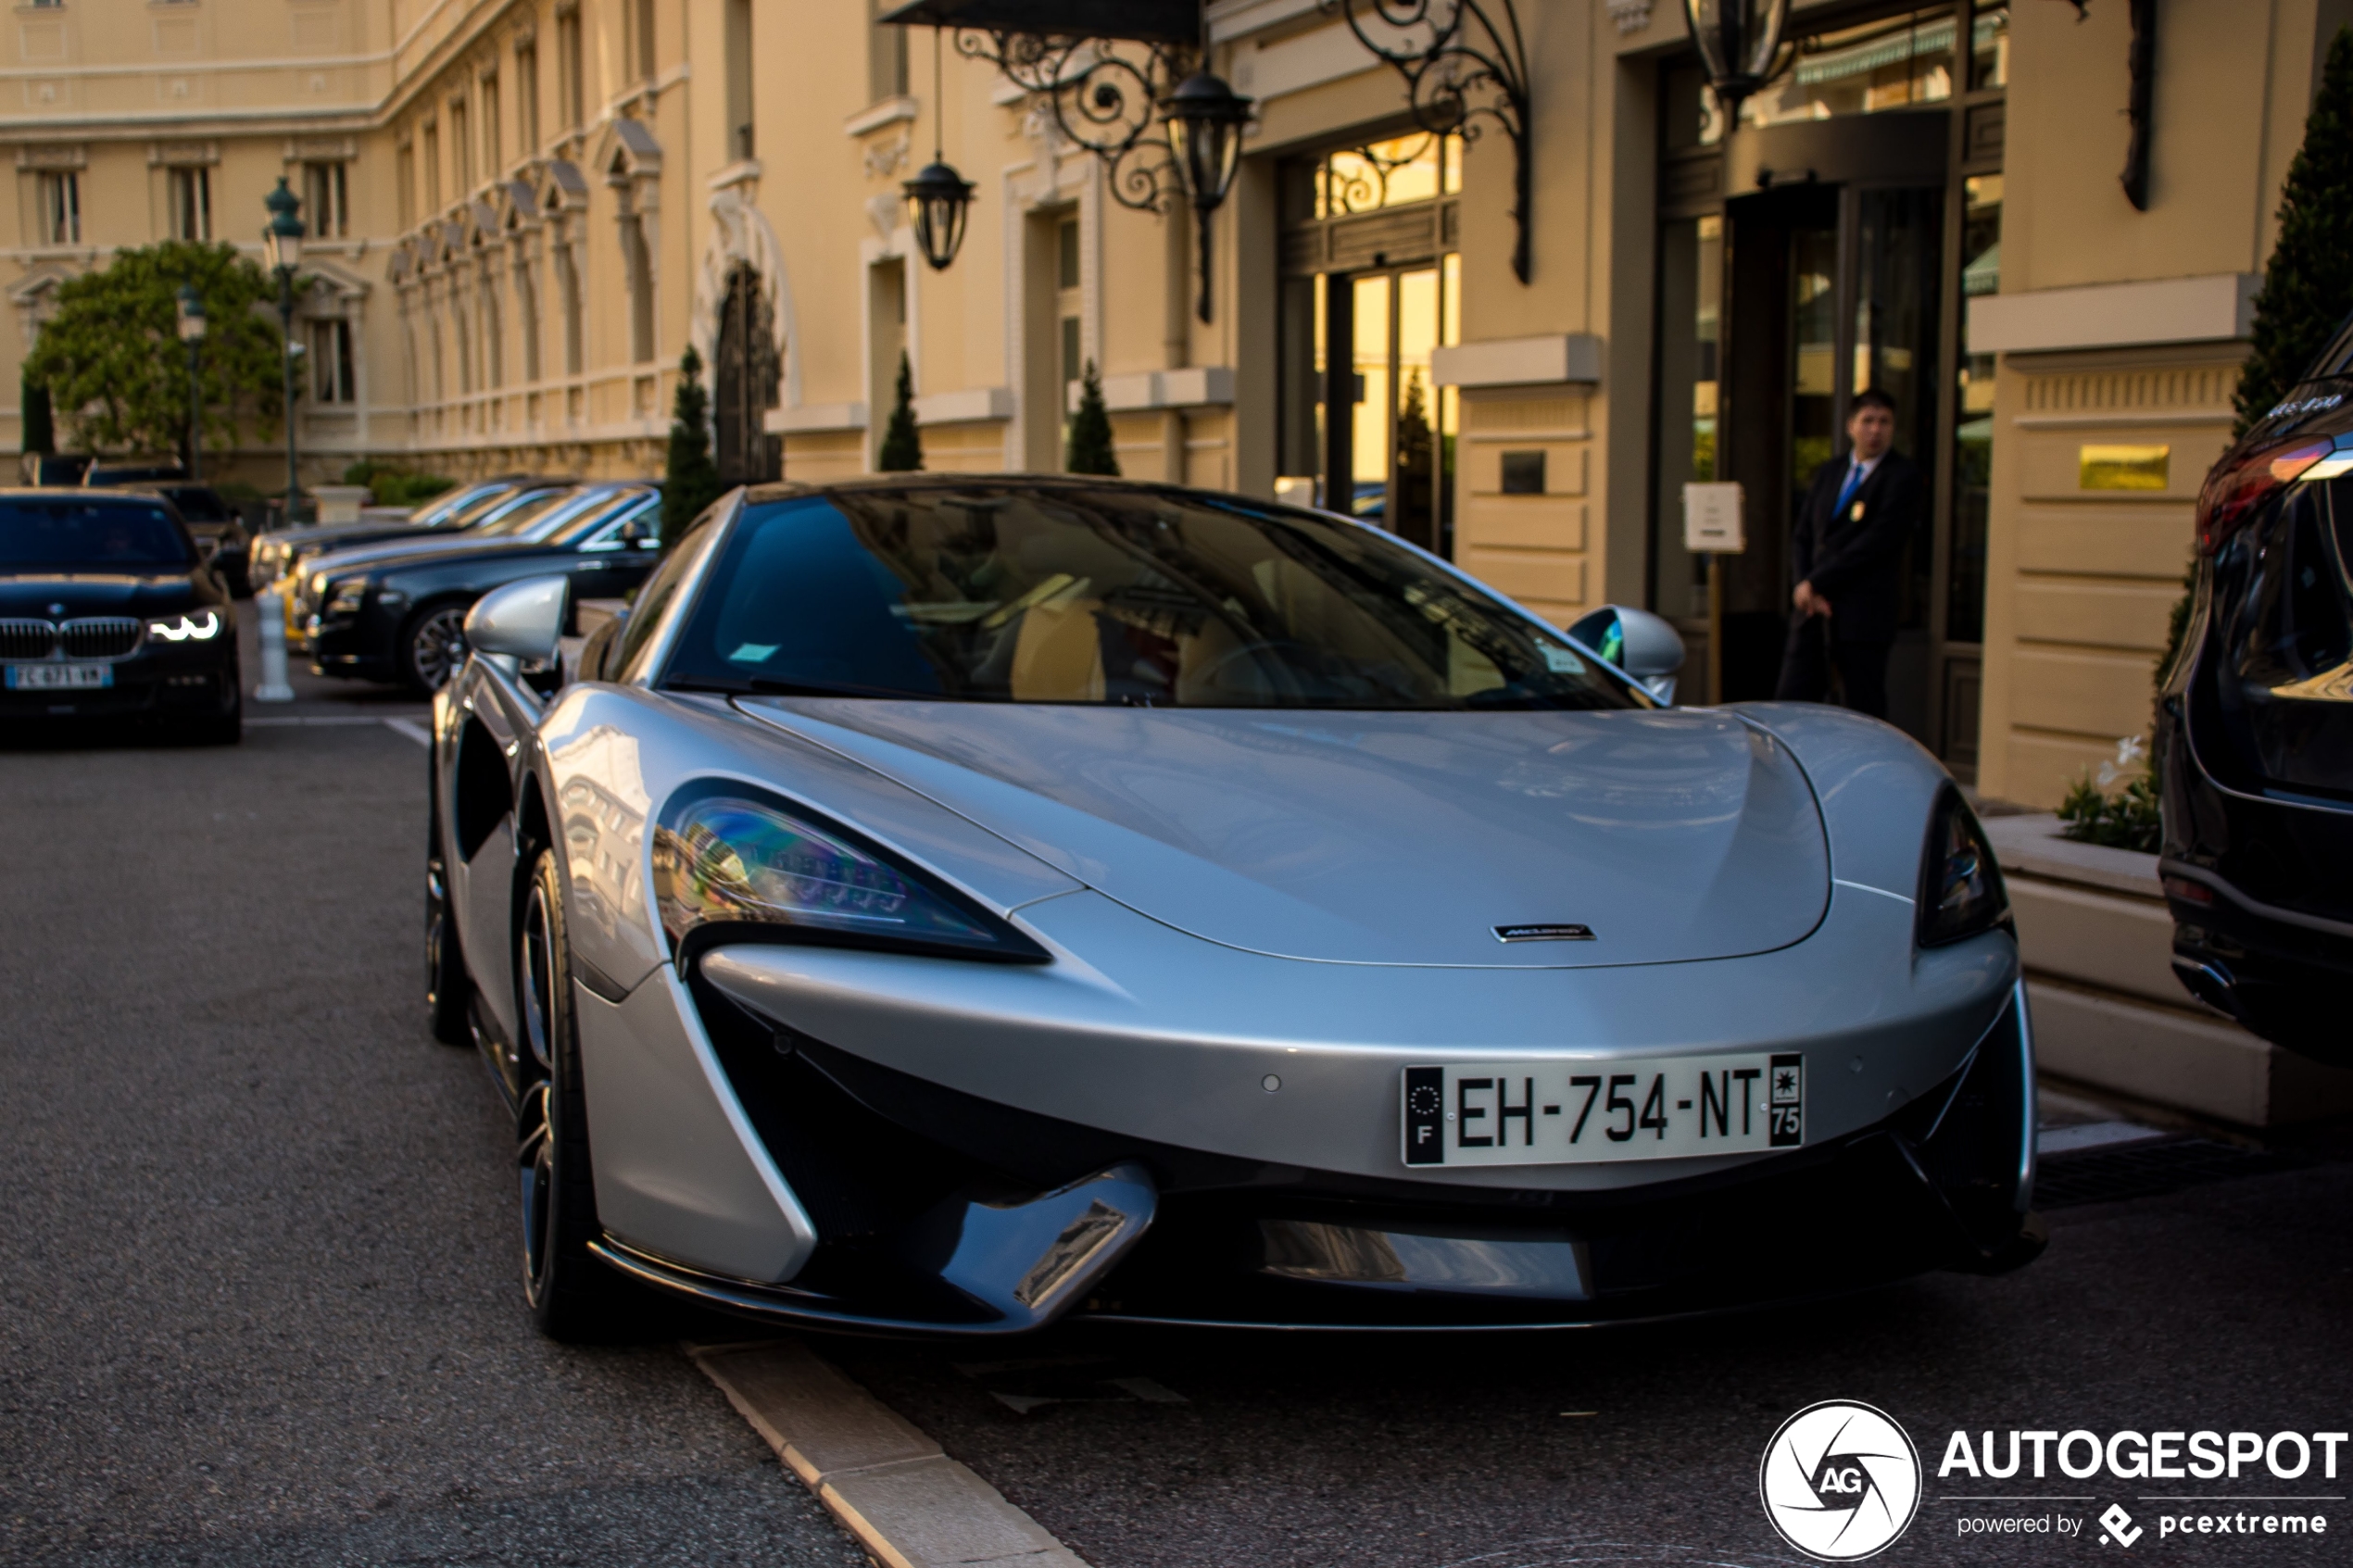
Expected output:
{"points": [[1846, 490]]}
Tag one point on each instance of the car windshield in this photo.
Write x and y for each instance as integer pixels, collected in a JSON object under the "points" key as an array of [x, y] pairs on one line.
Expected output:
{"points": [[535, 513], [1082, 593], [473, 511], [590, 519], [91, 536]]}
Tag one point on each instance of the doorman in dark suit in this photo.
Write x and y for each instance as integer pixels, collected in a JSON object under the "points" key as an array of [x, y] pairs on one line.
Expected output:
{"points": [[1848, 556]]}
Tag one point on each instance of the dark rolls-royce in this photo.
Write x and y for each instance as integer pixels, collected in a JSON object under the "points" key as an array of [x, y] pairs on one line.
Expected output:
{"points": [[403, 619], [281, 551], [108, 610], [2254, 727]]}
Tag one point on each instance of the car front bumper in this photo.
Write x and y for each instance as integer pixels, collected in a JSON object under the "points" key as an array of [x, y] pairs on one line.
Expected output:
{"points": [[159, 681], [905, 1106], [358, 647]]}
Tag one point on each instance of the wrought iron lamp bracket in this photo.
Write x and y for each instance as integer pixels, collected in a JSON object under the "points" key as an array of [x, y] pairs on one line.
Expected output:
{"points": [[1464, 65], [1103, 99]]}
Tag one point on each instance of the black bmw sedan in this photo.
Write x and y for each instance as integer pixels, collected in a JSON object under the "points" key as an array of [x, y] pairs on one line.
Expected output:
{"points": [[106, 612], [2254, 728], [403, 619]]}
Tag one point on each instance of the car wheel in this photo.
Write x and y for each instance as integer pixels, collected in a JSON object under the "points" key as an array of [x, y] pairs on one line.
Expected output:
{"points": [[449, 987], [431, 647], [571, 1295]]}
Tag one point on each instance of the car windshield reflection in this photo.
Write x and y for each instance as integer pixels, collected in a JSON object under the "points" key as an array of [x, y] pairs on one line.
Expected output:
{"points": [[1089, 593]]}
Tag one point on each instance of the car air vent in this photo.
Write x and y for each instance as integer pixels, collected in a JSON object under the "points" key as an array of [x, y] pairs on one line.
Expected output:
{"points": [[99, 636], [2147, 1170], [27, 639]]}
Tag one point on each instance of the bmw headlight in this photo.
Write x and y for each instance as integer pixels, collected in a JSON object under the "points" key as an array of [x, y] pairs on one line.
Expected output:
{"points": [[1961, 892], [723, 858], [202, 626]]}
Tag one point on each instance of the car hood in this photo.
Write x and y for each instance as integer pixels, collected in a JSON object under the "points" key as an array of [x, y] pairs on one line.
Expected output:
{"points": [[97, 593], [1391, 838], [486, 550]]}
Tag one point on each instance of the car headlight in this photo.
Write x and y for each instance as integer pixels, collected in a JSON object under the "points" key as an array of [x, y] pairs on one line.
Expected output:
{"points": [[202, 626], [724, 862], [347, 600], [317, 584], [1961, 892]]}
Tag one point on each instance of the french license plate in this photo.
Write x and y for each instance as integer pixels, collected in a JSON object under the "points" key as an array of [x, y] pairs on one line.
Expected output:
{"points": [[60, 677], [1561, 1112]]}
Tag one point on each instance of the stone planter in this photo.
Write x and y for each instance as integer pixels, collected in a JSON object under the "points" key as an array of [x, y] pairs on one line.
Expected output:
{"points": [[2098, 945]]}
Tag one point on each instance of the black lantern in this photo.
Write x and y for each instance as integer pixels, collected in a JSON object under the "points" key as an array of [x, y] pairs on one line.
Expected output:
{"points": [[1740, 45], [938, 200], [1205, 120]]}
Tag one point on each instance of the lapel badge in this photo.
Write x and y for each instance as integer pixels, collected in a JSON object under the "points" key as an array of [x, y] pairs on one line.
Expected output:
{"points": [[1855, 513]]}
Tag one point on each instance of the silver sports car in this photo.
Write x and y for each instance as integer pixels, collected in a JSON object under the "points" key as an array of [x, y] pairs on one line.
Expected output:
{"points": [[953, 904]]}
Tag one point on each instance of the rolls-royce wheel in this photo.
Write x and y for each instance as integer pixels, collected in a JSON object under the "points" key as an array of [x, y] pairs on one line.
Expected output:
{"points": [[432, 646], [571, 1295]]}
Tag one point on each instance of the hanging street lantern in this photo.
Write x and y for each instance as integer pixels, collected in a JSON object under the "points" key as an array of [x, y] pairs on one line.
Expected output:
{"points": [[939, 200], [1740, 47]]}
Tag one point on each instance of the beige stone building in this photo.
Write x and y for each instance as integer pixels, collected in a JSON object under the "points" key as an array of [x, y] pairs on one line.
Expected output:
{"points": [[526, 211]]}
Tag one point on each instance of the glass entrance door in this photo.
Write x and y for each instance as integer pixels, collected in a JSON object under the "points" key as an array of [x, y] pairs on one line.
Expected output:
{"points": [[1373, 285], [1829, 292]]}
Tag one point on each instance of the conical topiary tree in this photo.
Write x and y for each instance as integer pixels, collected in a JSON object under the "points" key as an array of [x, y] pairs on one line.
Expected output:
{"points": [[689, 476], [2307, 287], [1090, 445], [902, 442]]}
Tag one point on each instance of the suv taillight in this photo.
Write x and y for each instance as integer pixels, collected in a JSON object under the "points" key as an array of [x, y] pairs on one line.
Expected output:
{"points": [[2233, 495]]}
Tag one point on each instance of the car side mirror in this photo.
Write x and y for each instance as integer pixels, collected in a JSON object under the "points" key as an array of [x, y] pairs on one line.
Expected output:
{"points": [[1642, 645], [523, 619]]}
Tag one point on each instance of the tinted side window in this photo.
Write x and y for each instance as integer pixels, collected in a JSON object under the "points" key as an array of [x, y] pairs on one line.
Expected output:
{"points": [[656, 598]]}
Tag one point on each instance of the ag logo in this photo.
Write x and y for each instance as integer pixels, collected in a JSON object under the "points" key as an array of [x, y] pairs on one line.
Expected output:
{"points": [[1840, 1480]]}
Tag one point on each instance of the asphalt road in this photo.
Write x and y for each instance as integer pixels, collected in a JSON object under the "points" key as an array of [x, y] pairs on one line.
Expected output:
{"points": [[258, 1298]]}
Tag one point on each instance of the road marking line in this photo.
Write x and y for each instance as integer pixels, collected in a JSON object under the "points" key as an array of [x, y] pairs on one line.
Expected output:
{"points": [[413, 730], [891, 1486]]}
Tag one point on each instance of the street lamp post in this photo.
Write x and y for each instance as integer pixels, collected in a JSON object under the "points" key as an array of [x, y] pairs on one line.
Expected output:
{"points": [[192, 333], [281, 244]]}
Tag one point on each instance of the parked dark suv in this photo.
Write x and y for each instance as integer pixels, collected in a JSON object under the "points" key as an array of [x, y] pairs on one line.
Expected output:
{"points": [[2254, 727]]}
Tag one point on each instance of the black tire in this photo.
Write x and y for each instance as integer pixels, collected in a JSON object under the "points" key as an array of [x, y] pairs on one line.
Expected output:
{"points": [[432, 646], [449, 987], [571, 1295]]}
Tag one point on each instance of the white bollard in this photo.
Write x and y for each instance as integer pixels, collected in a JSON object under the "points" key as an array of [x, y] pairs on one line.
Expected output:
{"points": [[270, 604]]}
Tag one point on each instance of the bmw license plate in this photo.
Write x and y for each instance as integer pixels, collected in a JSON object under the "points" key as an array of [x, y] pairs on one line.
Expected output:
{"points": [[60, 677], [1562, 1112]]}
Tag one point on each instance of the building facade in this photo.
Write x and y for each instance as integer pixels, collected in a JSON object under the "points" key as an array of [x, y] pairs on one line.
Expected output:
{"points": [[1514, 343]]}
